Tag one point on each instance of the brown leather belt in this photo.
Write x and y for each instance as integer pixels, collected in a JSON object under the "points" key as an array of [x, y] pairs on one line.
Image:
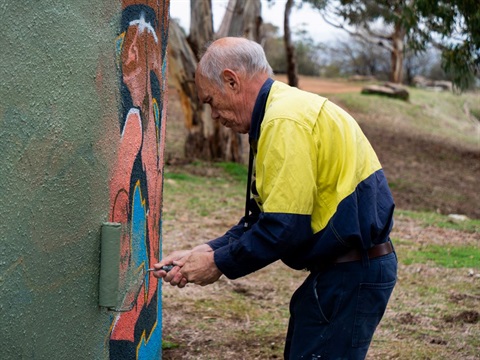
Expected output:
{"points": [[374, 252]]}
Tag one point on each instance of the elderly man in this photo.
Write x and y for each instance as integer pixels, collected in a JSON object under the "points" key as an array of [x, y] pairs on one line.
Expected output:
{"points": [[319, 201]]}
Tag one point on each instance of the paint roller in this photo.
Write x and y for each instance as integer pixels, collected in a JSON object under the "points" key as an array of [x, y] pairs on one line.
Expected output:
{"points": [[109, 265], [118, 292]]}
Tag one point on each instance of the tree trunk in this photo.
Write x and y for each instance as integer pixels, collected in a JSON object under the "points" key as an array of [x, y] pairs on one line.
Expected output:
{"points": [[397, 54], [242, 18], [207, 139], [182, 64], [289, 48], [204, 138], [201, 25]]}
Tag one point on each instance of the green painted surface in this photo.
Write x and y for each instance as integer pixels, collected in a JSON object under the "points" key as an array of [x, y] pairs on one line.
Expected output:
{"points": [[109, 265], [58, 97]]}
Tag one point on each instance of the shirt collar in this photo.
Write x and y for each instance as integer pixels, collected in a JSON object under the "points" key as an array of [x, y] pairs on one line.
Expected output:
{"points": [[259, 110]]}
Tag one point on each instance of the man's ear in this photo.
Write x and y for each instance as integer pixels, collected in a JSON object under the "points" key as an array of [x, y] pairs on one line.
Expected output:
{"points": [[231, 79]]}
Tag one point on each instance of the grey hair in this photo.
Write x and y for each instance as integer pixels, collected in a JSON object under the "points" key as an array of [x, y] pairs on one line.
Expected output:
{"points": [[243, 55]]}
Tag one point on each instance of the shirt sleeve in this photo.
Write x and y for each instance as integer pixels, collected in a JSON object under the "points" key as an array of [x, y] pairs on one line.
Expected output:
{"points": [[272, 237], [233, 234], [237, 231], [286, 167]]}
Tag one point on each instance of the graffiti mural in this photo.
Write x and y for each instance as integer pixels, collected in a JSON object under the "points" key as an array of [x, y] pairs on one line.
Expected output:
{"points": [[136, 183]]}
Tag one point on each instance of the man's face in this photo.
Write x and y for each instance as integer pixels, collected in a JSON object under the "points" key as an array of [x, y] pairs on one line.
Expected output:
{"points": [[227, 106]]}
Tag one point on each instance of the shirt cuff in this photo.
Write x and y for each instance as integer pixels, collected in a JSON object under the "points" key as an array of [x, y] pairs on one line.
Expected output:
{"points": [[227, 264]]}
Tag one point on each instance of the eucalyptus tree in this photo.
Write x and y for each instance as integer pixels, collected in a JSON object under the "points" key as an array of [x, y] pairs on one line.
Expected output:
{"points": [[451, 25], [207, 139]]}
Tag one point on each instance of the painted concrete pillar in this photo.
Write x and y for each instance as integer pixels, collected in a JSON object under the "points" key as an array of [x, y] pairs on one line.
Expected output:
{"points": [[82, 128]]}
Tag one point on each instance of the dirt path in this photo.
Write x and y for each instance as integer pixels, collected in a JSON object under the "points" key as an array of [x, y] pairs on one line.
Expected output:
{"points": [[323, 86]]}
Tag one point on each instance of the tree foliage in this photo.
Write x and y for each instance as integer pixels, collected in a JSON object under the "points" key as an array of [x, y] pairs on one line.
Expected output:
{"points": [[451, 25], [357, 57], [307, 51], [457, 24]]}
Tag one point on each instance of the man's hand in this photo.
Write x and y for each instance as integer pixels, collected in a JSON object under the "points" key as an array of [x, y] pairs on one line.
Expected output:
{"points": [[199, 268], [174, 276]]}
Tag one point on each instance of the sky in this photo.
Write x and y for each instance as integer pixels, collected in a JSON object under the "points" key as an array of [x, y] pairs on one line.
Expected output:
{"points": [[304, 18]]}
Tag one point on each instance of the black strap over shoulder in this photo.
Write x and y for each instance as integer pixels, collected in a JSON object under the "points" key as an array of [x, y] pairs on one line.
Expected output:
{"points": [[254, 134], [249, 186]]}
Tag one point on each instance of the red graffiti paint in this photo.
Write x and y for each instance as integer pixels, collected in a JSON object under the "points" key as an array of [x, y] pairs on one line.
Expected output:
{"points": [[136, 182]]}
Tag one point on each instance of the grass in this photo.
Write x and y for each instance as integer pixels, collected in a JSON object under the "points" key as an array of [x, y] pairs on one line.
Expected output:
{"points": [[202, 200], [442, 221], [447, 115], [449, 257], [166, 345], [188, 179], [237, 171]]}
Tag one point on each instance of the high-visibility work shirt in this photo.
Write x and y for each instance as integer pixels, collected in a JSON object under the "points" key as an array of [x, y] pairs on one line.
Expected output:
{"points": [[319, 186]]}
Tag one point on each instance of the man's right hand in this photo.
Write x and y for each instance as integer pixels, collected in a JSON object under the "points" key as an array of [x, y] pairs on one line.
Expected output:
{"points": [[174, 277]]}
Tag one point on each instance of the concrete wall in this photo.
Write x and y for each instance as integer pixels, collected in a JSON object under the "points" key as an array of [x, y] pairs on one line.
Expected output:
{"points": [[82, 128]]}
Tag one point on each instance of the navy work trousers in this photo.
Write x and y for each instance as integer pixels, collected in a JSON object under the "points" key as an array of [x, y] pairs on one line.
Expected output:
{"points": [[335, 312]]}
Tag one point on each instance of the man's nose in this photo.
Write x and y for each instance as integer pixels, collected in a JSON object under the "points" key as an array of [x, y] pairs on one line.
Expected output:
{"points": [[214, 114]]}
